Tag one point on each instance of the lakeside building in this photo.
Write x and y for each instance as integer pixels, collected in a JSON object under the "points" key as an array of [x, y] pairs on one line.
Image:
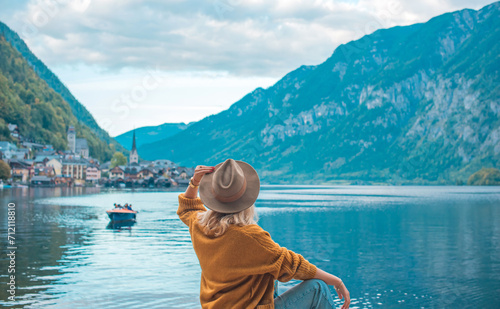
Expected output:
{"points": [[116, 172], [42, 160], [45, 171], [56, 164], [92, 173], [42, 181], [21, 170], [63, 181], [39, 164], [76, 169], [143, 173], [77, 145]]}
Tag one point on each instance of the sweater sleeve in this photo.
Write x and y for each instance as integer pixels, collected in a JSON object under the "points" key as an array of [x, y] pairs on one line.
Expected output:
{"points": [[290, 265], [285, 264], [188, 208]]}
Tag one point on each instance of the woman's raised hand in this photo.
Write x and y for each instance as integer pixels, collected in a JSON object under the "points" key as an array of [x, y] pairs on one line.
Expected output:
{"points": [[199, 171]]}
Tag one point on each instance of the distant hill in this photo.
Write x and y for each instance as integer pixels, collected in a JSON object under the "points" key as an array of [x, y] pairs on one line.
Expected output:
{"points": [[415, 104], [150, 134], [100, 149]]}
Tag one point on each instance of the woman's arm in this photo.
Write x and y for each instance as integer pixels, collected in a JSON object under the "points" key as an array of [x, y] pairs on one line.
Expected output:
{"points": [[337, 283], [328, 278], [192, 192], [189, 204]]}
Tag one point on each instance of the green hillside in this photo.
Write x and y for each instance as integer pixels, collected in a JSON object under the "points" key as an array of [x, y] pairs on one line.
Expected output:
{"points": [[101, 149], [41, 113]]}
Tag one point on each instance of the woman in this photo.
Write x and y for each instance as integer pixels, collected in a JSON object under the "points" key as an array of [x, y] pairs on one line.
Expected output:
{"points": [[239, 260]]}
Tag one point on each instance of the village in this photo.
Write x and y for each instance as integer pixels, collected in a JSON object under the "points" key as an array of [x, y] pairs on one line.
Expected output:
{"points": [[39, 165]]}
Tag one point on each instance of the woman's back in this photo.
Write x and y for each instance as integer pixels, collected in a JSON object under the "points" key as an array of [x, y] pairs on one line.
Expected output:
{"points": [[239, 260], [239, 267]]}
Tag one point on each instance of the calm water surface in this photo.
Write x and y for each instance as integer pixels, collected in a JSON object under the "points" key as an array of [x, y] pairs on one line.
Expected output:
{"points": [[394, 247]]}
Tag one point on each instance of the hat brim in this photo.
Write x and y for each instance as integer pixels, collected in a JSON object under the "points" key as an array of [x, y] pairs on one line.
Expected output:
{"points": [[245, 201]]}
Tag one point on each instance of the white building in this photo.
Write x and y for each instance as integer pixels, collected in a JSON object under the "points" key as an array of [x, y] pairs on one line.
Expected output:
{"points": [[93, 174], [56, 164], [74, 168]]}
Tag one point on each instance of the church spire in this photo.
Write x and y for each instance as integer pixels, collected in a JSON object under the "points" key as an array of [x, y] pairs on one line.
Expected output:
{"points": [[133, 156], [133, 142]]}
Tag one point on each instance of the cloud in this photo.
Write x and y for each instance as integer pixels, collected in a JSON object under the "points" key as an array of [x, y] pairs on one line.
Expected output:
{"points": [[241, 37], [212, 52]]}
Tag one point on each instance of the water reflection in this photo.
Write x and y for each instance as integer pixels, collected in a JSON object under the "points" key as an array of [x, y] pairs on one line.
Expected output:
{"points": [[42, 240], [395, 247], [424, 251], [120, 225]]}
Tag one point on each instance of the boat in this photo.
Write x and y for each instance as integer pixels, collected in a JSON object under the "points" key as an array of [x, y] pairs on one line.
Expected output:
{"points": [[17, 185], [3, 185], [119, 214]]}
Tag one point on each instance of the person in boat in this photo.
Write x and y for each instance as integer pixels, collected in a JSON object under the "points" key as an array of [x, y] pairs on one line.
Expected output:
{"points": [[240, 263]]}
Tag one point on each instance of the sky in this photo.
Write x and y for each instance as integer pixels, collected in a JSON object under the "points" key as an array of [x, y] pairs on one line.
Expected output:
{"points": [[135, 63]]}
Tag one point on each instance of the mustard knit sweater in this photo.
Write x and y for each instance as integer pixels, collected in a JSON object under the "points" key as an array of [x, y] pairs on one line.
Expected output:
{"points": [[238, 269]]}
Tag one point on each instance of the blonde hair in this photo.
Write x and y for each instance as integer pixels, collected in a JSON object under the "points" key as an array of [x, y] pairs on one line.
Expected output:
{"points": [[216, 223]]}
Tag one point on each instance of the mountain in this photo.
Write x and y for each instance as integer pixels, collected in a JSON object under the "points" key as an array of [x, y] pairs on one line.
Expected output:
{"points": [[415, 104], [40, 113], [100, 149], [150, 134]]}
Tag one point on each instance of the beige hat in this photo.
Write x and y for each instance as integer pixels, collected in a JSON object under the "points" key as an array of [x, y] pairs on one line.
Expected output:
{"points": [[232, 187]]}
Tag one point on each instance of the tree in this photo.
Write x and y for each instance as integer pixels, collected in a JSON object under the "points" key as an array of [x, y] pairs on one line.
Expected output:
{"points": [[485, 177], [118, 159], [4, 170]]}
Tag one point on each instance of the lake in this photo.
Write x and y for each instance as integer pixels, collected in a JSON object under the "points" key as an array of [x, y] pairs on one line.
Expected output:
{"points": [[394, 247]]}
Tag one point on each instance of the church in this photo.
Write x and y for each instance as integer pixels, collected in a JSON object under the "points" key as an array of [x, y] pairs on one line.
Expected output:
{"points": [[77, 145], [134, 156]]}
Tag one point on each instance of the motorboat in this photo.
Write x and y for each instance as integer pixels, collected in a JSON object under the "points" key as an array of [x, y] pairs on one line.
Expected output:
{"points": [[17, 185], [121, 214]]}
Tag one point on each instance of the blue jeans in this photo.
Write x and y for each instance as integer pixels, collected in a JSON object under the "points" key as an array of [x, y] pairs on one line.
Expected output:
{"points": [[309, 294]]}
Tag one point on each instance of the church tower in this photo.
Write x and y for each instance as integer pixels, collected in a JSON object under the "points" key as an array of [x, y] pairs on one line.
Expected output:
{"points": [[134, 156], [72, 139]]}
